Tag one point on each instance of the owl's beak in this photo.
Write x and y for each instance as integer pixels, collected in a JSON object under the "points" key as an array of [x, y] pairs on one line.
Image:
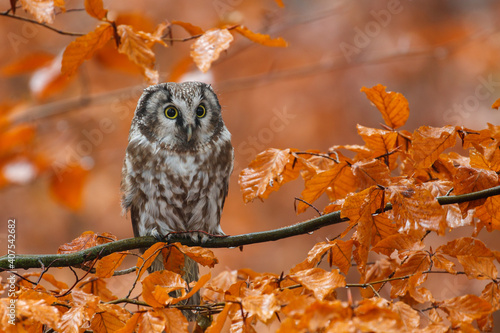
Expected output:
{"points": [[189, 131]]}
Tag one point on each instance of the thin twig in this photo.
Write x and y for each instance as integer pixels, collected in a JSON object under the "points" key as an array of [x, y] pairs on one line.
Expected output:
{"points": [[61, 32]]}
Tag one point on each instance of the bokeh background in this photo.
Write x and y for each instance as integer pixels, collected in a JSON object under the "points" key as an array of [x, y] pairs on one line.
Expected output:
{"points": [[442, 55]]}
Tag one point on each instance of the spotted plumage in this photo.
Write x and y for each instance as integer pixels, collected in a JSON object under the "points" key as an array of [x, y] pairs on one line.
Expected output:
{"points": [[177, 165]]}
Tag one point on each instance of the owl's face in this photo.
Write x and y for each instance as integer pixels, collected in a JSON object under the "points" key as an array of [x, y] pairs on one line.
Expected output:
{"points": [[182, 116]]}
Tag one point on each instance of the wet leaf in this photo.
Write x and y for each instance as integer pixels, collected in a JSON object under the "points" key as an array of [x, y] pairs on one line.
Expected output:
{"points": [[371, 172], [468, 180], [157, 286], [42, 10], [339, 254], [144, 262], [381, 143], [208, 47], [400, 242], [428, 142], [393, 106], [465, 308], [322, 283], [263, 306], [417, 263], [201, 255], [97, 287], [86, 240], [107, 265]]}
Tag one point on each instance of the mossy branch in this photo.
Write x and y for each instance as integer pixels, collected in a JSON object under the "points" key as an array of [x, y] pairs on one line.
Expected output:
{"points": [[27, 261]]}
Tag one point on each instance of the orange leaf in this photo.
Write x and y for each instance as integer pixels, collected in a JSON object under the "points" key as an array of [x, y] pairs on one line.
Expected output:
{"points": [[151, 322], [440, 261], [157, 286], [95, 8], [408, 315], [219, 321], [496, 105], [478, 267], [109, 318], [97, 287], [465, 308], [193, 30], [42, 10], [339, 181], [27, 64], [149, 256], [199, 284], [131, 323], [175, 322], [215, 290], [399, 242], [173, 259], [262, 305], [66, 186], [268, 172], [492, 206], [393, 106], [322, 283], [280, 3], [339, 255], [416, 208], [84, 47], [491, 294], [428, 142], [382, 144], [38, 309], [413, 268], [201, 255], [86, 240], [107, 265], [208, 47], [371, 172], [261, 38], [468, 180]]}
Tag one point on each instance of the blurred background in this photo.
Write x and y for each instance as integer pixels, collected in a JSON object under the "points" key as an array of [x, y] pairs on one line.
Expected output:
{"points": [[442, 55]]}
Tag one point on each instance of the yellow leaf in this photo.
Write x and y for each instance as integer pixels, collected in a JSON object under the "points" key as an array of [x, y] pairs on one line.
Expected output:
{"points": [[193, 30], [393, 106], [208, 47], [95, 8], [42, 10], [268, 172], [428, 142], [66, 187], [261, 38], [84, 47]]}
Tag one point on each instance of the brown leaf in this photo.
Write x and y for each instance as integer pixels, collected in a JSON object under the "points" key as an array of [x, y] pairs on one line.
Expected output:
{"points": [[208, 47], [492, 206], [400, 242], [109, 318], [393, 106], [39, 310], [107, 265], [157, 286], [468, 180], [193, 30], [149, 256], [337, 182], [428, 142], [151, 321], [261, 38], [42, 10], [339, 254], [215, 290], [322, 283], [480, 268], [465, 309], [95, 8], [27, 64], [491, 294], [322, 314], [268, 172], [173, 259], [84, 47], [382, 144], [415, 208], [175, 322], [86, 240], [379, 271], [199, 284], [440, 261]]}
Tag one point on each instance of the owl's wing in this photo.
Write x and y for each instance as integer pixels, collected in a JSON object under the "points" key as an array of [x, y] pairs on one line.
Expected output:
{"points": [[135, 217]]}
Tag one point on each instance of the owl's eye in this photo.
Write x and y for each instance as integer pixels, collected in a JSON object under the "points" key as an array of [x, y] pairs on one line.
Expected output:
{"points": [[171, 112], [200, 111]]}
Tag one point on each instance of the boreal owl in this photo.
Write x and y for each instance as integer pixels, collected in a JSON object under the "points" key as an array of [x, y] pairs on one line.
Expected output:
{"points": [[177, 165]]}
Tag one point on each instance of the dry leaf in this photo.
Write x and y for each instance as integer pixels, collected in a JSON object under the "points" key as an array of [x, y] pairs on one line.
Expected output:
{"points": [[157, 286], [193, 30], [468, 180], [86, 240], [201, 255], [208, 47], [97, 287], [465, 309], [95, 8], [107, 265], [263, 306], [398, 242], [261, 38], [496, 105], [322, 283], [428, 142], [147, 258], [393, 106], [42, 10], [339, 254]]}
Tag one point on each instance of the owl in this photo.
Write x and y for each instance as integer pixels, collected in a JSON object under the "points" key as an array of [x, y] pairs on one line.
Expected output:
{"points": [[177, 165]]}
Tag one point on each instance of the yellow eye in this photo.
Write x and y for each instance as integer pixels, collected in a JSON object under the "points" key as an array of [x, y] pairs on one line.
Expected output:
{"points": [[200, 111], [171, 112]]}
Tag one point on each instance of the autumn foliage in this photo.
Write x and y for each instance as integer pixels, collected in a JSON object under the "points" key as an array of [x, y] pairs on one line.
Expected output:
{"points": [[372, 277]]}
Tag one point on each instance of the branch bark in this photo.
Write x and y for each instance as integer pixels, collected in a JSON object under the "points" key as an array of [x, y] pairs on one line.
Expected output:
{"points": [[63, 260]]}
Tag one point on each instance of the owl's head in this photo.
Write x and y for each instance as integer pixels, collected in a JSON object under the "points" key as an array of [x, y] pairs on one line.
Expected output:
{"points": [[181, 115]]}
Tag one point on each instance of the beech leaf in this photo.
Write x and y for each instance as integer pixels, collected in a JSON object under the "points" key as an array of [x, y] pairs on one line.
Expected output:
{"points": [[157, 286], [428, 142], [42, 10], [95, 8], [261, 38], [393, 106], [107, 265], [322, 283], [208, 47], [193, 30], [465, 308]]}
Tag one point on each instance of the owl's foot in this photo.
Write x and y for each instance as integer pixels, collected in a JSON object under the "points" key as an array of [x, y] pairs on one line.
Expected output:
{"points": [[197, 236], [159, 237]]}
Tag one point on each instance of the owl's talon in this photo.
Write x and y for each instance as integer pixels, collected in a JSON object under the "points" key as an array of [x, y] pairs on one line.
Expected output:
{"points": [[159, 237]]}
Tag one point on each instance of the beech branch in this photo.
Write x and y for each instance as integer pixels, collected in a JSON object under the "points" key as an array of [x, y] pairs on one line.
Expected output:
{"points": [[74, 259]]}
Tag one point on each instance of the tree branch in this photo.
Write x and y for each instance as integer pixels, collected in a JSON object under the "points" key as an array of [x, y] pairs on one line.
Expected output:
{"points": [[66, 33], [77, 258]]}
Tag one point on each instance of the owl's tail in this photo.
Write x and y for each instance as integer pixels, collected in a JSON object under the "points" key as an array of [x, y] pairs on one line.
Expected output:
{"points": [[190, 274]]}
